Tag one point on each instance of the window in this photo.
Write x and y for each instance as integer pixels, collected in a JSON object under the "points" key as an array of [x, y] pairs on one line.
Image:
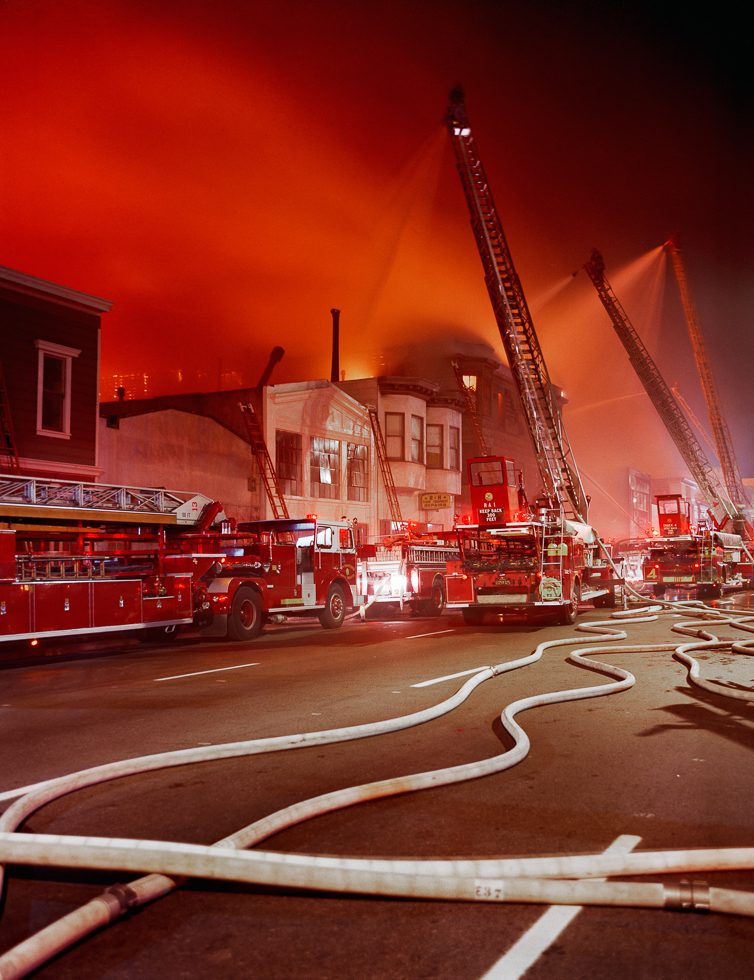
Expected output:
{"points": [[454, 447], [325, 468], [417, 439], [288, 462], [469, 381], [356, 467], [434, 447], [54, 369], [394, 426]]}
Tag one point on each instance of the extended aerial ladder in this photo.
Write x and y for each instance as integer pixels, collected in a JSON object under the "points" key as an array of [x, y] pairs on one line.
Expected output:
{"points": [[557, 467], [469, 396], [720, 432], [721, 508]]}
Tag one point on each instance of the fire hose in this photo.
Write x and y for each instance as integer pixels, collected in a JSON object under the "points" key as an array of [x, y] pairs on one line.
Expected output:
{"points": [[496, 880]]}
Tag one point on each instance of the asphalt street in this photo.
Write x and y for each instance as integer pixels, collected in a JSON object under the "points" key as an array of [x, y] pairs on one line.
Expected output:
{"points": [[663, 764]]}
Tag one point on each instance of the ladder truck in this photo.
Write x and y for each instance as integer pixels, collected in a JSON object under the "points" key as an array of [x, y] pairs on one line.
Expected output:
{"points": [[80, 562], [705, 560], [514, 561]]}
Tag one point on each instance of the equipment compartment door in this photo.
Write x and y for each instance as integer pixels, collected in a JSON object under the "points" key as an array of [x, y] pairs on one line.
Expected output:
{"points": [[116, 603]]}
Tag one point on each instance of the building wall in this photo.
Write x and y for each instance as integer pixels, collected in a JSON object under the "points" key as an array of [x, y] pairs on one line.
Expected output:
{"points": [[184, 452], [27, 319], [318, 410]]}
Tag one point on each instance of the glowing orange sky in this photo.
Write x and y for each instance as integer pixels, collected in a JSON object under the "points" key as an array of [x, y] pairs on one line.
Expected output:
{"points": [[226, 173]]}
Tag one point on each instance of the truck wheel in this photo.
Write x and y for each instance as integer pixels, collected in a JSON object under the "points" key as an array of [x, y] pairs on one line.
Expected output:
{"points": [[245, 619], [659, 591], [568, 613], [334, 613], [436, 602]]}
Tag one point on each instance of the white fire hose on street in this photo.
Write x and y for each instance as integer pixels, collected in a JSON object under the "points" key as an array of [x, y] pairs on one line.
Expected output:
{"points": [[496, 880]]}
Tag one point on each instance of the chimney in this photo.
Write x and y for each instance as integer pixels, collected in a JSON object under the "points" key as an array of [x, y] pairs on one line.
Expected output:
{"points": [[335, 366], [276, 354]]}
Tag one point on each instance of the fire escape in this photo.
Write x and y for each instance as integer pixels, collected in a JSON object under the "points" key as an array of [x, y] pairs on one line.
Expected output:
{"points": [[552, 450]]}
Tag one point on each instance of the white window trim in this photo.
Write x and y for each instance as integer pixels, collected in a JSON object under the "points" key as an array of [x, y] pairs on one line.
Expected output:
{"points": [[67, 355]]}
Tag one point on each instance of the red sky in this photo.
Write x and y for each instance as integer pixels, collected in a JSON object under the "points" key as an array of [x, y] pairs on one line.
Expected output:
{"points": [[226, 173]]}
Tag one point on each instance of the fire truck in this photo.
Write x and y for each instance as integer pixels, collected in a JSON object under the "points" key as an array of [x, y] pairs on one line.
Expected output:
{"points": [[80, 561], [519, 562], [273, 568], [704, 560], [407, 571], [86, 560], [512, 559]]}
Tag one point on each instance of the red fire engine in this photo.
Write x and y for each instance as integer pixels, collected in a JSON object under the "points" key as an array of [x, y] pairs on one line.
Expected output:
{"points": [[519, 563], [80, 561], [407, 570], [285, 567], [704, 561]]}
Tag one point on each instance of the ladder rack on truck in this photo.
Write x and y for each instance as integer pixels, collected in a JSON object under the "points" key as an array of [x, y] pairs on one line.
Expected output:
{"points": [[29, 497]]}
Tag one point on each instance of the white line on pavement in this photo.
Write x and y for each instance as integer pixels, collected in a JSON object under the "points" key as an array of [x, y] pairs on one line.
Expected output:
{"points": [[547, 928], [449, 677], [215, 670], [419, 636]]}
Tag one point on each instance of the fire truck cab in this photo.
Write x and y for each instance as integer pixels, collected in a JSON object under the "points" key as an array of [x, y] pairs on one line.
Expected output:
{"points": [[286, 567]]}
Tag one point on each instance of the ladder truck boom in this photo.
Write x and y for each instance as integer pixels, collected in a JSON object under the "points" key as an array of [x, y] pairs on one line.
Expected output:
{"points": [[662, 397], [552, 450], [720, 432]]}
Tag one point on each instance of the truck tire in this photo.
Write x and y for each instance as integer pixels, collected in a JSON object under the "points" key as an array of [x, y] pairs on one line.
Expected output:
{"points": [[568, 613], [246, 618], [334, 613], [436, 602]]}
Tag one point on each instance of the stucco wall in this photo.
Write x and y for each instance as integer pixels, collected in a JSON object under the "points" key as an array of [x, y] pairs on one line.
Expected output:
{"points": [[181, 451]]}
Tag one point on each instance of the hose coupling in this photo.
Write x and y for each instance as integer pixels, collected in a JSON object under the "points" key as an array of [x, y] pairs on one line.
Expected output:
{"points": [[688, 896], [125, 897]]}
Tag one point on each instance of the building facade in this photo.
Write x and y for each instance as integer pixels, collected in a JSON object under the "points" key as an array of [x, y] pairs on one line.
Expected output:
{"points": [[50, 377]]}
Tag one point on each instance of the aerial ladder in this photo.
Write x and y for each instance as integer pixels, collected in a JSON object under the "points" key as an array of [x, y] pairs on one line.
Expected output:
{"points": [[560, 478], [722, 509], [469, 396], [259, 446], [720, 432], [385, 470]]}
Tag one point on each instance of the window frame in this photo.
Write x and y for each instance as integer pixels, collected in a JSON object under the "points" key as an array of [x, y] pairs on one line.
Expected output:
{"points": [[332, 450], [291, 486], [417, 442], [48, 349], [454, 447], [438, 445], [391, 437], [354, 492]]}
